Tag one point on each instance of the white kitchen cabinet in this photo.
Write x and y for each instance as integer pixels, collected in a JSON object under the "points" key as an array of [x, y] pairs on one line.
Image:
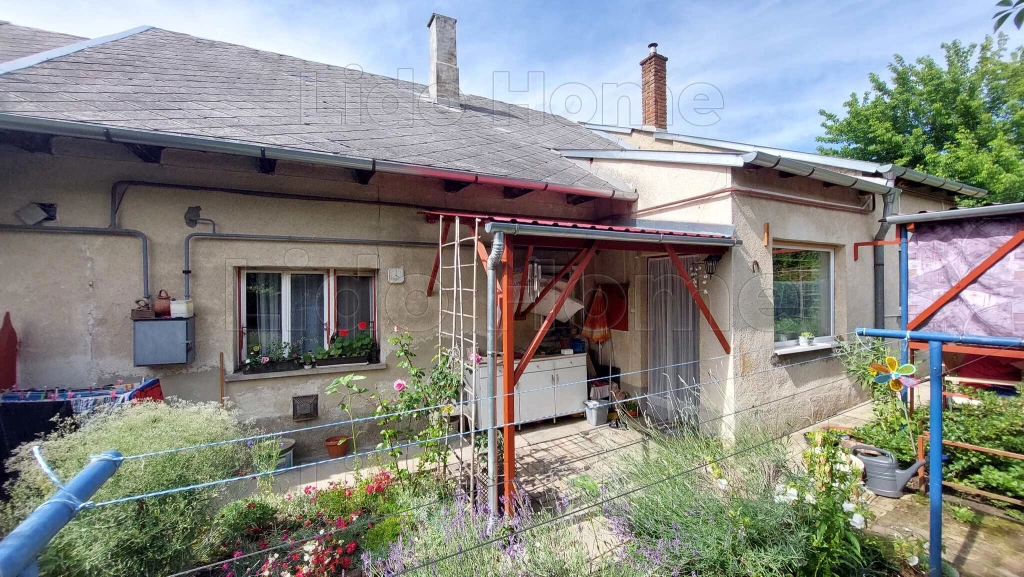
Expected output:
{"points": [[550, 386]]}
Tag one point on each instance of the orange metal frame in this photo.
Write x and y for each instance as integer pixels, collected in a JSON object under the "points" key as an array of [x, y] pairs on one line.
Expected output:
{"points": [[508, 306], [857, 245], [966, 281]]}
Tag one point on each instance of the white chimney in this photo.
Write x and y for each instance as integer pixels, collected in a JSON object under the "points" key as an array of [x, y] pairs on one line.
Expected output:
{"points": [[444, 66]]}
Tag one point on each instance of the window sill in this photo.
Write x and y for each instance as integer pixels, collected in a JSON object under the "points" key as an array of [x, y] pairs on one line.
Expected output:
{"points": [[330, 370], [797, 349]]}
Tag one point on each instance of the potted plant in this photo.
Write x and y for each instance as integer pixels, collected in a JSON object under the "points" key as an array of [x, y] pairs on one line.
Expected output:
{"points": [[339, 445], [307, 361], [349, 347], [806, 339], [256, 361]]}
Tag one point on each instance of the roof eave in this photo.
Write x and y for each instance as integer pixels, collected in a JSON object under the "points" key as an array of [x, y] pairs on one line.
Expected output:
{"points": [[224, 146]]}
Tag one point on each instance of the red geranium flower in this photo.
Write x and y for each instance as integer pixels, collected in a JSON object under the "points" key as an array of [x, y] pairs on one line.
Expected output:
{"points": [[350, 548], [346, 562], [342, 332], [362, 325]]}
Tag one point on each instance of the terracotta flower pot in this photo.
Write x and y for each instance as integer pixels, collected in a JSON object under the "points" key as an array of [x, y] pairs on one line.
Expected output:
{"points": [[337, 446]]}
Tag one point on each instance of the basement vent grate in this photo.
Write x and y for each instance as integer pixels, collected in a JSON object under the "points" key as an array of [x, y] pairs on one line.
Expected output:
{"points": [[305, 407]]}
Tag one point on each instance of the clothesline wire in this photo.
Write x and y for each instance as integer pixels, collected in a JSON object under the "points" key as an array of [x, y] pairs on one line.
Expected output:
{"points": [[437, 407], [606, 451], [385, 449]]}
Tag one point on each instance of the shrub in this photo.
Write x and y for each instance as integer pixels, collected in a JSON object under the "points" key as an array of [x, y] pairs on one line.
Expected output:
{"points": [[715, 509], [380, 537], [147, 537], [245, 517], [994, 423], [721, 519]]}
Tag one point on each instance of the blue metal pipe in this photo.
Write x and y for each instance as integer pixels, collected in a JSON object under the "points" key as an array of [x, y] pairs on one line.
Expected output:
{"points": [[21, 548], [904, 291], [935, 341], [935, 460], [983, 340]]}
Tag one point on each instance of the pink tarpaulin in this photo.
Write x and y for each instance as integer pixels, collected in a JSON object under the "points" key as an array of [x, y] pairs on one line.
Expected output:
{"points": [[942, 253]]}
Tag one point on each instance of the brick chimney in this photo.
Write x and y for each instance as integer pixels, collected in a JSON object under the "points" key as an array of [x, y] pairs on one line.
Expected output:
{"points": [[655, 91], [444, 66]]}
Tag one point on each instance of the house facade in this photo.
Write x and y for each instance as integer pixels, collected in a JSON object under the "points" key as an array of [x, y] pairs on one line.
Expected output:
{"points": [[288, 203]]}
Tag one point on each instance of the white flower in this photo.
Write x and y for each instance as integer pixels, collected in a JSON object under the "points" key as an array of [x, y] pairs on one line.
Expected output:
{"points": [[857, 521], [848, 507], [780, 489], [809, 498], [305, 557], [788, 497], [722, 484], [913, 560]]}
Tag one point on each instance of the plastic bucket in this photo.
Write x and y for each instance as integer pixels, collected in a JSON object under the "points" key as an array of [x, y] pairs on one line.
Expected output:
{"points": [[597, 413]]}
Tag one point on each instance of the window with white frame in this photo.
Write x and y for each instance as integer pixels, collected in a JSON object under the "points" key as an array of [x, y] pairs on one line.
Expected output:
{"points": [[803, 280], [305, 308]]}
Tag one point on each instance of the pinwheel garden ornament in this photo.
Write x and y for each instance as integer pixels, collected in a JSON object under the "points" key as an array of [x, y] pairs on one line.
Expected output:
{"points": [[897, 375]]}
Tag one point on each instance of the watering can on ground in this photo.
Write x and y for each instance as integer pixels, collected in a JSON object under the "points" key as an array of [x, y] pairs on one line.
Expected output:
{"points": [[880, 473]]}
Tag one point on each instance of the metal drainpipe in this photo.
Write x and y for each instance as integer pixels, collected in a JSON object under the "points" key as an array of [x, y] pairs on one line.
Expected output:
{"points": [[497, 248], [888, 209]]}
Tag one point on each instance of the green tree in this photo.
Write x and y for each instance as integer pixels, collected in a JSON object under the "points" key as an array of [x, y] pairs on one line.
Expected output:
{"points": [[962, 120], [1009, 8]]}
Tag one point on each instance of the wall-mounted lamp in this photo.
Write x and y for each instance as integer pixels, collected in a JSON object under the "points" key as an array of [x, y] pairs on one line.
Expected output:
{"points": [[711, 263]]}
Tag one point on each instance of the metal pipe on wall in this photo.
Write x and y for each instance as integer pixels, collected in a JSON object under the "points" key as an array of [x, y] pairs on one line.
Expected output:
{"points": [[276, 238], [111, 230], [493, 260], [878, 253]]}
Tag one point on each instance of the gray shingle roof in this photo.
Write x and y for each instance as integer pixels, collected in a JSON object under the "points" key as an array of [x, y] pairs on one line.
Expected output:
{"points": [[18, 41], [170, 82]]}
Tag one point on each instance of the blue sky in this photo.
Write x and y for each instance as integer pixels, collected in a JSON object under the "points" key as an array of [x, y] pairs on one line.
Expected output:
{"points": [[773, 64]]}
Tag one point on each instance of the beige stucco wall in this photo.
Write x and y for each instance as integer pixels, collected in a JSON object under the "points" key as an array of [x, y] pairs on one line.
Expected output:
{"points": [[70, 296], [739, 295]]}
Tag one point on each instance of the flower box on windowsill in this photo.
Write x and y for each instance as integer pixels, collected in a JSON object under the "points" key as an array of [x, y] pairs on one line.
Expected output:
{"points": [[271, 367], [360, 360]]}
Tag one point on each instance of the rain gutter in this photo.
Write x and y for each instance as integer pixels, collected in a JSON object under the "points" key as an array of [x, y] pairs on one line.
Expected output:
{"points": [[611, 235], [959, 213], [896, 171], [223, 146], [755, 159]]}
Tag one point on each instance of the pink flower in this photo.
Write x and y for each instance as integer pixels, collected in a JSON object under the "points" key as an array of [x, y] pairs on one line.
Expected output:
{"points": [[264, 360], [399, 385], [475, 358]]}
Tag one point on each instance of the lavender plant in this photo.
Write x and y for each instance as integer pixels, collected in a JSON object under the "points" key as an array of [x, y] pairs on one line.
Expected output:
{"points": [[462, 539]]}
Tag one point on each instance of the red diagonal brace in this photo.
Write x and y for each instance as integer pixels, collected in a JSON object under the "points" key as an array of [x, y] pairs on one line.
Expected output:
{"points": [[550, 319], [523, 278], [969, 278], [547, 288], [437, 258], [704, 310]]}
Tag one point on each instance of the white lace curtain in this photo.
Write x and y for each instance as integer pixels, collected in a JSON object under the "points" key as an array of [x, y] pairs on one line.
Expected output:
{"points": [[673, 339]]}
